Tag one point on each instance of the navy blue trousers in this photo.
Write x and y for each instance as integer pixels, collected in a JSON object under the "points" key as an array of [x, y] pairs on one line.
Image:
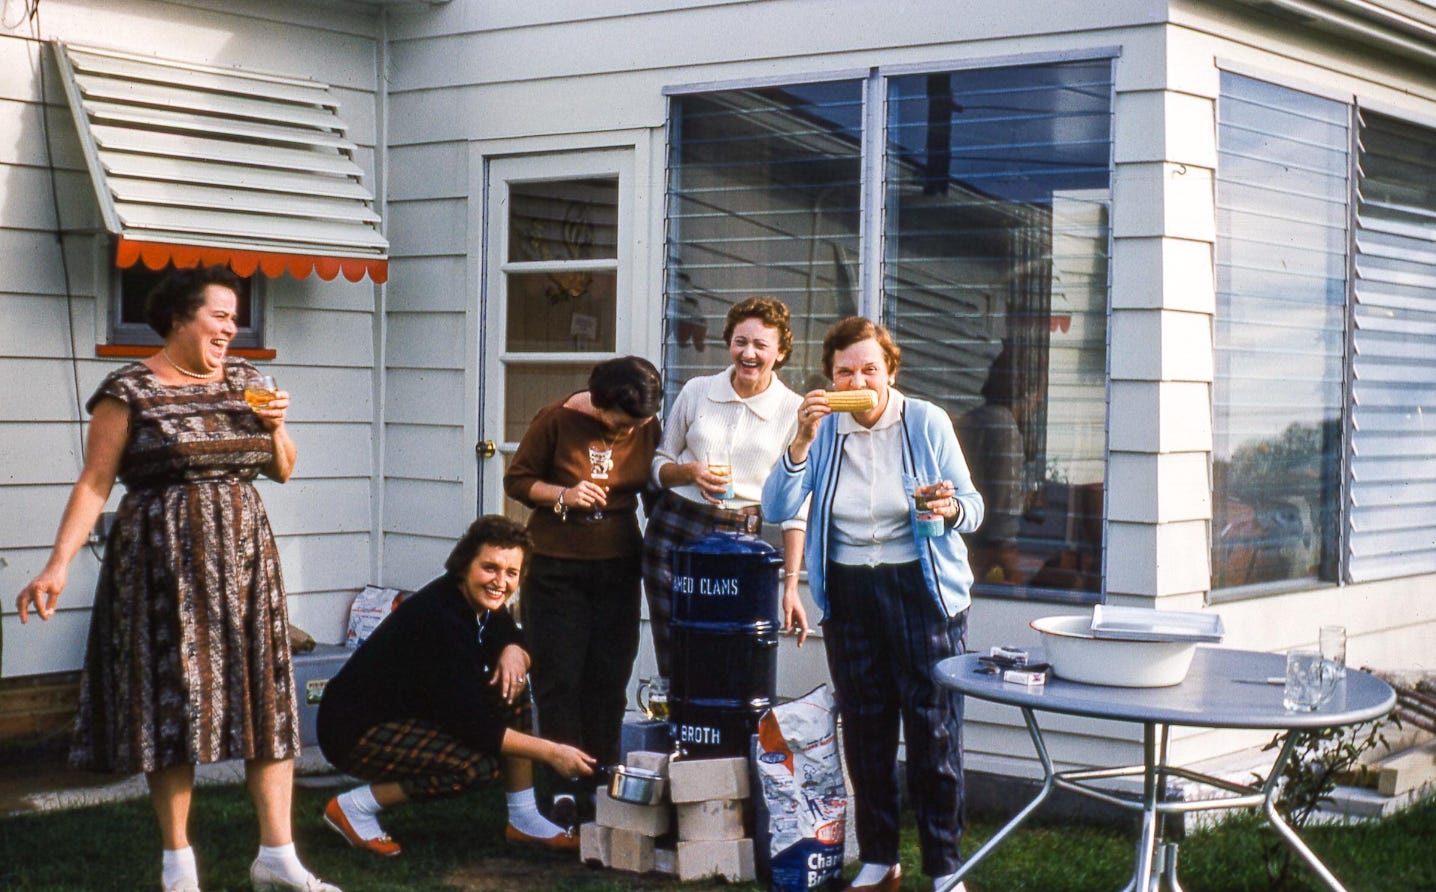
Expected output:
{"points": [[884, 634]]}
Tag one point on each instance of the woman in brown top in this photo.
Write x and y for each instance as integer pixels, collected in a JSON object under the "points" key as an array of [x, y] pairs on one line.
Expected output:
{"points": [[581, 465], [188, 657]]}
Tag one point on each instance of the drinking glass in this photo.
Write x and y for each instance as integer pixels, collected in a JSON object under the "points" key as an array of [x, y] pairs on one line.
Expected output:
{"points": [[1308, 680], [600, 460], [929, 523], [653, 698], [1333, 649], [259, 390], [719, 464]]}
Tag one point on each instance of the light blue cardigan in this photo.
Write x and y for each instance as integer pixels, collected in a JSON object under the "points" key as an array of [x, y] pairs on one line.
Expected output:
{"points": [[930, 452]]}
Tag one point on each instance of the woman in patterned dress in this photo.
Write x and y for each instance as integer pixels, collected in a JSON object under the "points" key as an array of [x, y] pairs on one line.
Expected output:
{"points": [[188, 659]]}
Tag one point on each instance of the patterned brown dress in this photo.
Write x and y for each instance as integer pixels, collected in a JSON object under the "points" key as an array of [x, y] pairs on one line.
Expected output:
{"points": [[188, 659]]}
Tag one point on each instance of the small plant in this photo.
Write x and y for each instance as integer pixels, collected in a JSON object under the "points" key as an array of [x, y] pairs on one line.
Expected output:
{"points": [[1320, 759]]}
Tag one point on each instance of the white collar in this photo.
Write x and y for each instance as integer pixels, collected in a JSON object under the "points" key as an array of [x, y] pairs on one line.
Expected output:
{"points": [[892, 414], [761, 404]]}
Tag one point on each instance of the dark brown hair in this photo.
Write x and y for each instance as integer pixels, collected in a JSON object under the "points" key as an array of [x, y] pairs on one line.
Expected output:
{"points": [[628, 383], [771, 312], [491, 529], [179, 295], [846, 332]]}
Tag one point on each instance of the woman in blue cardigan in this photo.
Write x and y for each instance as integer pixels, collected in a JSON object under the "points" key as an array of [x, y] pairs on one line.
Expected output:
{"points": [[894, 593]]}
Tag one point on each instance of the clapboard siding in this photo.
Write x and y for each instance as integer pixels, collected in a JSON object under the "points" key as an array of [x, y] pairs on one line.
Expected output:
{"points": [[428, 227], [427, 508], [436, 170], [430, 284], [411, 561], [323, 332], [426, 396], [425, 340], [424, 452]]}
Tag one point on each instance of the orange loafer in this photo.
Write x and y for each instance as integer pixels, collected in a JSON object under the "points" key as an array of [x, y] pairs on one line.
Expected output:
{"points": [[383, 846], [562, 842]]}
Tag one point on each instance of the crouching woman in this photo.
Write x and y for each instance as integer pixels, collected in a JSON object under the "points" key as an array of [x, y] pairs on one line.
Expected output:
{"points": [[435, 702]]}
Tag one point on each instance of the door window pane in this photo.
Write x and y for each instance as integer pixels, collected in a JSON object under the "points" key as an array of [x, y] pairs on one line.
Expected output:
{"points": [[561, 311], [1281, 192], [995, 283], [764, 199], [558, 220]]}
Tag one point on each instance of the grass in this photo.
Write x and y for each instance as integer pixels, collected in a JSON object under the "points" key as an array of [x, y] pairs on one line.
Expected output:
{"points": [[457, 844]]}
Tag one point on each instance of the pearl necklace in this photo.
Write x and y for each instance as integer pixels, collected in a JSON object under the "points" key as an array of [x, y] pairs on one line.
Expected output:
{"points": [[181, 369]]}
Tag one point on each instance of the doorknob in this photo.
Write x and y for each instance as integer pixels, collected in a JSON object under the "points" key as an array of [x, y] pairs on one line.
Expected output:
{"points": [[486, 449]]}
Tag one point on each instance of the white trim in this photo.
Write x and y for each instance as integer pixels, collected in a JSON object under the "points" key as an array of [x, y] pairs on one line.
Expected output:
{"points": [[1008, 60], [872, 232], [776, 80]]}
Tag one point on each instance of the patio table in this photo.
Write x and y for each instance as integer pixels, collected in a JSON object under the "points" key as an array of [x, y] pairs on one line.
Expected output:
{"points": [[1224, 689]]}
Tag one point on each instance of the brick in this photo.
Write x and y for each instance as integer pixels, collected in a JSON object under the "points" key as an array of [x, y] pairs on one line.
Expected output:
{"points": [[648, 820], [631, 851], [731, 859], [697, 780], [648, 761], [710, 819], [595, 844]]}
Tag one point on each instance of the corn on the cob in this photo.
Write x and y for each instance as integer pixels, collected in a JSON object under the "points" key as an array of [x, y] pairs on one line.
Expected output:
{"points": [[851, 400]]}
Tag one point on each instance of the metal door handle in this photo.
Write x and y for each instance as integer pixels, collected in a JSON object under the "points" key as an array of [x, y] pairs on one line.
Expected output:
{"points": [[486, 449]]}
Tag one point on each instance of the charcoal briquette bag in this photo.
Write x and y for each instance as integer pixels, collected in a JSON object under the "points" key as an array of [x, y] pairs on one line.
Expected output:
{"points": [[801, 800]]}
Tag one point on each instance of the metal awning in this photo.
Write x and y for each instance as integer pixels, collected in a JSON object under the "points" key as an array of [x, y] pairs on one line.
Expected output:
{"points": [[200, 165]]}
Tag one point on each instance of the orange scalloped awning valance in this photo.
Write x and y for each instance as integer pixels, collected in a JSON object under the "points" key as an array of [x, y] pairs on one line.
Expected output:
{"points": [[155, 255]]}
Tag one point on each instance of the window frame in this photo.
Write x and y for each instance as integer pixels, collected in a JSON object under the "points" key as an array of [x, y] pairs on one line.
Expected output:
{"points": [[250, 341]]}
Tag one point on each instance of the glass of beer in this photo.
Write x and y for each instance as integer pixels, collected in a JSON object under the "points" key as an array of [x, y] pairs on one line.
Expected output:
{"points": [[720, 465], [600, 460], [259, 390]]}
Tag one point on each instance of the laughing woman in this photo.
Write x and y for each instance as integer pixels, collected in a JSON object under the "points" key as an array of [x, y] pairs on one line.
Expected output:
{"points": [[894, 597], [188, 659], [745, 416]]}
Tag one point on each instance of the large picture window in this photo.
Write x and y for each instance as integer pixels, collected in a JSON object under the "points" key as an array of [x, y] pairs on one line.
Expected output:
{"points": [[984, 194]]}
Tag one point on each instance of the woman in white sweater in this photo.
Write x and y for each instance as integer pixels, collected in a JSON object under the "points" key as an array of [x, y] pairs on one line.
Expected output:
{"points": [[743, 417]]}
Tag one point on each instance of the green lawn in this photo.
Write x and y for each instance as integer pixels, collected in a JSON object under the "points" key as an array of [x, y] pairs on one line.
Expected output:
{"points": [[458, 845]]}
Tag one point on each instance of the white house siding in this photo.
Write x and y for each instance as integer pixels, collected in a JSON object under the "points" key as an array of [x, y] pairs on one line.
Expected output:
{"points": [[322, 331], [508, 77]]}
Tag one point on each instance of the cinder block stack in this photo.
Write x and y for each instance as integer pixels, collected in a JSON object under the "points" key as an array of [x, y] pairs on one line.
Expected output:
{"points": [[624, 836], [709, 795]]}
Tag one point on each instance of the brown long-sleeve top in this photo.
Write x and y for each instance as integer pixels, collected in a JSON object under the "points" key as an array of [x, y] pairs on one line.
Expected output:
{"points": [[554, 450]]}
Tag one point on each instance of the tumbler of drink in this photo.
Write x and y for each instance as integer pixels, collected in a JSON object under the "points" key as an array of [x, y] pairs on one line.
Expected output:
{"points": [[1308, 680], [929, 522], [653, 698], [600, 460], [720, 466], [259, 390], [1333, 649]]}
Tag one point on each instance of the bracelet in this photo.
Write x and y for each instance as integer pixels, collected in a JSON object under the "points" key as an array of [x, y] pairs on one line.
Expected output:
{"points": [[559, 507]]}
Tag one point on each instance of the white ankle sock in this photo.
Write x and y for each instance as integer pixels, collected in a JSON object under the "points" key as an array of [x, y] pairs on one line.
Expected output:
{"points": [[871, 874], [283, 861], [941, 881], [177, 864], [526, 818], [360, 807]]}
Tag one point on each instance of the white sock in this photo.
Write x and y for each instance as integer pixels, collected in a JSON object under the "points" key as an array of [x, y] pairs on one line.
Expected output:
{"points": [[178, 864], [943, 880], [871, 874], [283, 861], [526, 818], [360, 807]]}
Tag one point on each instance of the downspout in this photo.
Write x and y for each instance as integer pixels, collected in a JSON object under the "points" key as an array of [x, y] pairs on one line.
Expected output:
{"points": [[381, 316]]}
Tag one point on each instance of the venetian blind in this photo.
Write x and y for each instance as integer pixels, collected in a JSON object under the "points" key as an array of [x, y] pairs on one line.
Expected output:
{"points": [[1393, 388]]}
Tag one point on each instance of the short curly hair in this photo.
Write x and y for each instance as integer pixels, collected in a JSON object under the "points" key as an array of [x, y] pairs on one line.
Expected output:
{"points": [[846, 332], [490, 529], [179, 295], [771, 312]]}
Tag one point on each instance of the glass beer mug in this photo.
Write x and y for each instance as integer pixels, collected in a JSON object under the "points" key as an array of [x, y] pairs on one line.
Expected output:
{"points": [[653, 698]]}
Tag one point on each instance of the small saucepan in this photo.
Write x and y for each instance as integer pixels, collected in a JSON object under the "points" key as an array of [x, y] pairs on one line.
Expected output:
{"points": [[635, 785]]}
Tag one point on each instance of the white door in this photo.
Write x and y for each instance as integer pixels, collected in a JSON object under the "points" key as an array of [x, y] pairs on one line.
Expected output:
{"points": [[556, 292]]}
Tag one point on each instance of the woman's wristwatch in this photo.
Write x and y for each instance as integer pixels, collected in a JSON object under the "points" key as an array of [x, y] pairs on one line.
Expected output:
{"points": [[559, 507]]}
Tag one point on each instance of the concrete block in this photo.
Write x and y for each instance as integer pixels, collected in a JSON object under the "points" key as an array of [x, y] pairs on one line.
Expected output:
{"points": [[631, 851], [697, 780], [710, 819], [595, 843], [641, 734], [731, 859], [648, 820], [648, 761]]}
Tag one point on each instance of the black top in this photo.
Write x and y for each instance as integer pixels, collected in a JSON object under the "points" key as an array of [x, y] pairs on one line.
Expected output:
{"points": [[430, 659]]}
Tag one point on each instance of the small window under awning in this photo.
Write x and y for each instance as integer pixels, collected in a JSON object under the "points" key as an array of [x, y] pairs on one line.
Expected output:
{"points": [[200, 165]]}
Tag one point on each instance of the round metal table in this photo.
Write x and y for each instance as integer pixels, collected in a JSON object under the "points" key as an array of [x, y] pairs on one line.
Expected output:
{"points": [[1224, 689]]}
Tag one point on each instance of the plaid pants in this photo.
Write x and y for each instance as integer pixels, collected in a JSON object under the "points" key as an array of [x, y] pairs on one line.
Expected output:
{"points": [[424, 759], [884, 634]]}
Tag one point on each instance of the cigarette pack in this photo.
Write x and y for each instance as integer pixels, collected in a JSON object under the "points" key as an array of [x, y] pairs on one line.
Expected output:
{"points": [[1025, 677]]}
